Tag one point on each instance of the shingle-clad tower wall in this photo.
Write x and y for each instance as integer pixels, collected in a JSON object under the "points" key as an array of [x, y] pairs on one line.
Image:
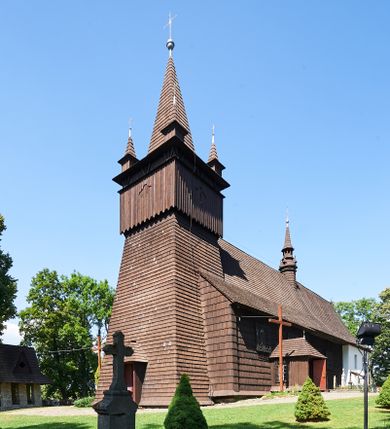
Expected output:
{"points": [[171, 217]]}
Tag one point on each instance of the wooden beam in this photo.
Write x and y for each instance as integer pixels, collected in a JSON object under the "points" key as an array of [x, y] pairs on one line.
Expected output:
{"points": [[279, 321]]}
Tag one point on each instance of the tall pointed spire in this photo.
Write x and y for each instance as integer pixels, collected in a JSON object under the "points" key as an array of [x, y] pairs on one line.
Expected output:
{"points": [[213, 149], [130, 145], [213, 160], [171, 108], [287, 237], [288, 264], [129, 158]]}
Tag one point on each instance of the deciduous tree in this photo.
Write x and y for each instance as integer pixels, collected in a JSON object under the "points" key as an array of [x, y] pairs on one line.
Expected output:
{"points": [[59, 323], [380, 357], [353, 313], [7, 285]]}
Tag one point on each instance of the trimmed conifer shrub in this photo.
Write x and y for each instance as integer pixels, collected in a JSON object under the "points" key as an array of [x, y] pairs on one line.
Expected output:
{"points": [[311, 406], [383, 400], [184, 411]]}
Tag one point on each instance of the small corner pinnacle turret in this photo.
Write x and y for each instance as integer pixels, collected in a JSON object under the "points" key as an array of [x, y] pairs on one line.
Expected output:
{"points": [[288, 264]]}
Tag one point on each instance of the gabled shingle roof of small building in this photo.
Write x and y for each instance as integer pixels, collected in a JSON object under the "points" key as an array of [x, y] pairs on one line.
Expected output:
{"points": [[19, 364], [295, 347], [252, 283]]}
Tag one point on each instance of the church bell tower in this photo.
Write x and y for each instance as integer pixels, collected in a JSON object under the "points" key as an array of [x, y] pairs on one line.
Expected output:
{"points": [[171, 216]]}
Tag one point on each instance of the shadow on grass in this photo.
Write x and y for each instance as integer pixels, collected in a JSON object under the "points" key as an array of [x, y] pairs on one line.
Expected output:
{"points": [[246, 425], [280, 425], [56, 425]]}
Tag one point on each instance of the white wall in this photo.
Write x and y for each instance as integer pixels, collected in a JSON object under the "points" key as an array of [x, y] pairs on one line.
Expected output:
{"points": [[352, 365]]}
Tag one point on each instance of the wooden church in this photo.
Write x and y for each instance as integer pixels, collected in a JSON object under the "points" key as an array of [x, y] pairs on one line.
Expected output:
{"points": [[188, 301]]}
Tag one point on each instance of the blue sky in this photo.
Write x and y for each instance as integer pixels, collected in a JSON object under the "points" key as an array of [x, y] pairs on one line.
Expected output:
{"points": [[298, 92]]}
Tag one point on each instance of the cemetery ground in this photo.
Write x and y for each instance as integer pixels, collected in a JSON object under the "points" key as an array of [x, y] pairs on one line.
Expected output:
{"points": [[346, 414]]}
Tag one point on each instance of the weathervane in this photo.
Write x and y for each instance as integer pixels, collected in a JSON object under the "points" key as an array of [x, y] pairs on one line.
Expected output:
{"points": [[170, 42]]}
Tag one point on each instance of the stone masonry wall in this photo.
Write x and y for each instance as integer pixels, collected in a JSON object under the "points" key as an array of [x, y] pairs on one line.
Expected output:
{"points": [[6, 396]]}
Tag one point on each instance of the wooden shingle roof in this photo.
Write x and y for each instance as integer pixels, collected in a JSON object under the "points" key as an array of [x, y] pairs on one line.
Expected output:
{"points": [[252, 283], [170, 108], [297, 347], [19, 364]]}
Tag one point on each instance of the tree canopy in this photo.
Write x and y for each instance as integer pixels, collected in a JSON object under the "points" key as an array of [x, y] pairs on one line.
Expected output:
{"points": [[380, 357], [7, 284], [60, 322], [355, 312]]}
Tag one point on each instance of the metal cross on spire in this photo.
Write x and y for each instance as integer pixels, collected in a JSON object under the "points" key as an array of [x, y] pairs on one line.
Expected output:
{"points": [[130, 126], [170, 42]]}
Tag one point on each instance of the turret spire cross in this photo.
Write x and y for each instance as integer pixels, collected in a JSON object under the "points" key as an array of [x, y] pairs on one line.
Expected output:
{"points": [[130, 126], [170, 42], [169, 24]]}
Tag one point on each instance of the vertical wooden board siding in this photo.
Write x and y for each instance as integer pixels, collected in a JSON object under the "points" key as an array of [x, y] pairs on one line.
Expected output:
{"points": [[198, 200], [147, 198], [220, 334], [195, 249], [144, 308], [298, 370]]}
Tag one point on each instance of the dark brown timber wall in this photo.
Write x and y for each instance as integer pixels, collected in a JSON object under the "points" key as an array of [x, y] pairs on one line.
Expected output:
{"points": [[158, 305], [221, 341], [254, 367]]}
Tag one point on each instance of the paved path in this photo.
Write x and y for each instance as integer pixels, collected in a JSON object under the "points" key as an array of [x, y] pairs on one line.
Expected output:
{"points": [[73, 411]]}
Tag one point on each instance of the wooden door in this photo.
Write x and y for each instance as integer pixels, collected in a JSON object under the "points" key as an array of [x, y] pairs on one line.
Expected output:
{"points": [[134, 378], [129, 378], [319, 373]]}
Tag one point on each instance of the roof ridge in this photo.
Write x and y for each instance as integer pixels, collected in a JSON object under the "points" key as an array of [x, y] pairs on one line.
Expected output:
{"points": [[258, 260]]}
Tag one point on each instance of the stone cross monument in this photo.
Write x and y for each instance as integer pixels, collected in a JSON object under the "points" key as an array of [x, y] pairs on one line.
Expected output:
{"points": [[117, 409]]}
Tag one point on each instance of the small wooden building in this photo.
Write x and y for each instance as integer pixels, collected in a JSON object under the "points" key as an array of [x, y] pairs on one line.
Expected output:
{"points": [[190, 302], [20, 377]]}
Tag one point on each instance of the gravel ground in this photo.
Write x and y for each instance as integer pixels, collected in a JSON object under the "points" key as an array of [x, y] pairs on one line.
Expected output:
{"points": [[73, 411]]}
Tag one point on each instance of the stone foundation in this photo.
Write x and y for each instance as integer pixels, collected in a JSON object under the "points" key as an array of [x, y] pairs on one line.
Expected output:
{"points": [[6, 400]]}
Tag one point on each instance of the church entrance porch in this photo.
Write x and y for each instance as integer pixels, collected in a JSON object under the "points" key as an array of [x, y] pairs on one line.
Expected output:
{"points": [[300, 360]]}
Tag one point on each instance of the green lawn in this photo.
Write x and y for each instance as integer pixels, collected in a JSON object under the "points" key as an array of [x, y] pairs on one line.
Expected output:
{"points": [[346, 414]]}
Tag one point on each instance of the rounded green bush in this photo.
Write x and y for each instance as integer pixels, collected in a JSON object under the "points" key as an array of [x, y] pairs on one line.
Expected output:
{"points": [[383, 400], [184, 411], [84, 402], [311, 406]]}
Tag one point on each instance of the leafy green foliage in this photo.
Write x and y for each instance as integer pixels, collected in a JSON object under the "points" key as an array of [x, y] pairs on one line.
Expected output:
{"points": [[184, 411], [380, 357], [354, 313], [59, 322], [311, 406], [383, 400], [368, 309], [7, 285], [84, 402]]}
